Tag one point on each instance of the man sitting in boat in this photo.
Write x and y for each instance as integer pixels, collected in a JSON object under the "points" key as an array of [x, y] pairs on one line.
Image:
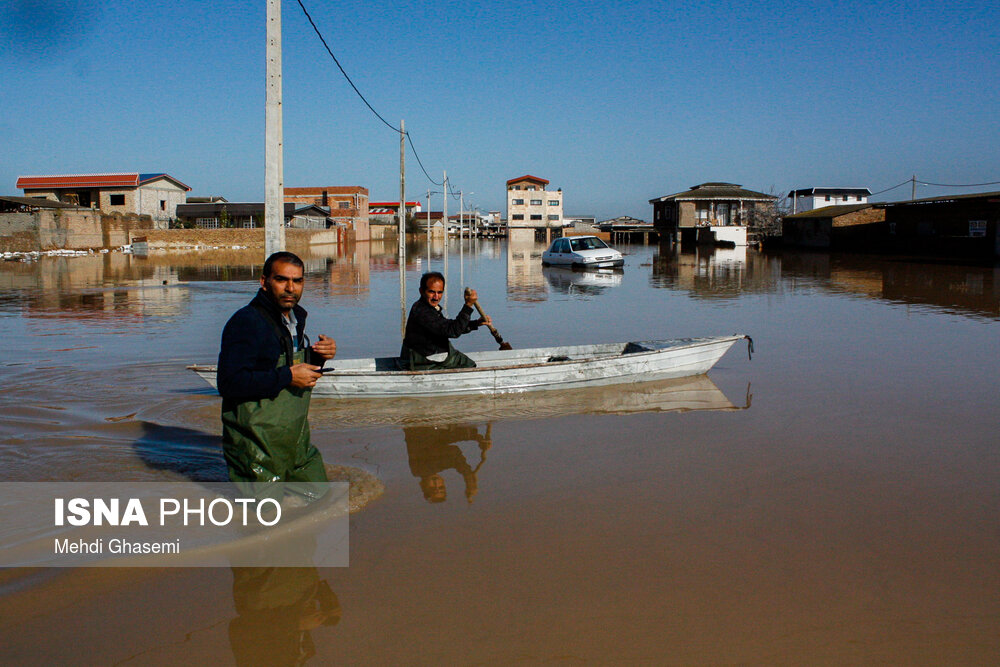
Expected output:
{"points": [[426, 345]]}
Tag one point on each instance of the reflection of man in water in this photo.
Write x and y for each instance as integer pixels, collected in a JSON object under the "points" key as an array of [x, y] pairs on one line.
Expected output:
{"points": [[277, 608], [431, 452]]}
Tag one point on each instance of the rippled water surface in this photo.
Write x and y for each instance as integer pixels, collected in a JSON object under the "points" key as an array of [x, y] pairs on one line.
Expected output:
{"points": [[834, 500]]}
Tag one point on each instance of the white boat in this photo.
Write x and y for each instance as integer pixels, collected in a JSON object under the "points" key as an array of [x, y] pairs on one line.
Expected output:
{"points": [[515, 371]]}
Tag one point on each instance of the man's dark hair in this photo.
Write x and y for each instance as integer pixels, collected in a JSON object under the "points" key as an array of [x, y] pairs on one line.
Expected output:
{"points": [[282, 256], [429, 276]]}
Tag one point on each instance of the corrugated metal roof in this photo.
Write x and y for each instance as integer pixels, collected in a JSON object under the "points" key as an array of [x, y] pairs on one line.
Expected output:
{"points": [[37, 202], [112, 180], [973, 195], [78, 181]]}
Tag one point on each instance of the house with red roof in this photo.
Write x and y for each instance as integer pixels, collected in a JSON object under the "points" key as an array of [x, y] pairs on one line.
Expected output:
{"points": [[154, 194], [531, 205]]}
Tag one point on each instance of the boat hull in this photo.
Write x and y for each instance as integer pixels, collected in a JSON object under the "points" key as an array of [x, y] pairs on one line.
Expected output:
{"points": [[535, 369]]}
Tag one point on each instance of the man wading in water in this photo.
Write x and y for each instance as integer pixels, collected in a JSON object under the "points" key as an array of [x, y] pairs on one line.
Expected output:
{"points": [[266, 373]]}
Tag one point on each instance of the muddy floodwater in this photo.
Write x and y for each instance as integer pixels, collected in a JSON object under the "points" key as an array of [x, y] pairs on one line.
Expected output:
{"points": [[834, 500]]}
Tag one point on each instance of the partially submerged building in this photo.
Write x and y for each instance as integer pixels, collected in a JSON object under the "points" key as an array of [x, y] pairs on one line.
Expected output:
{"points": [[833, 227], [348, 205], [711, 212], [154, 194], [530, 205], [249, 215]]}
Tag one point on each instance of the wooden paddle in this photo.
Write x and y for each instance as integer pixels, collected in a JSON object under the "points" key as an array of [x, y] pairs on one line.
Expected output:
{"points": [[496, 334]]}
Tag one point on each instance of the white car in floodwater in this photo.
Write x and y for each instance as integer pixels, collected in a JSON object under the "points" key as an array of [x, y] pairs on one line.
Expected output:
{"points": [[586, 251]]}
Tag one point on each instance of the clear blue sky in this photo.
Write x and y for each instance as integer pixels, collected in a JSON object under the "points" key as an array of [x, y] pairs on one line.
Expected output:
{"points": [[614, 102]]}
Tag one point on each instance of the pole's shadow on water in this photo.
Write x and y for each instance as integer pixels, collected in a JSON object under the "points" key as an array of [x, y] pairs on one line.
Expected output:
{"points": [[194, 454]]}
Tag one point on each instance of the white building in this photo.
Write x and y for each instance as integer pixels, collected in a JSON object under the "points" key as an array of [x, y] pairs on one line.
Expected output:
{"points": [[807, 199], [529, 204], [156, 195]]}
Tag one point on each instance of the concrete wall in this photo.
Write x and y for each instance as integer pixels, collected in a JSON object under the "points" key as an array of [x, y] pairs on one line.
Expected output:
{"points": [[72, 229], [180, 239]]}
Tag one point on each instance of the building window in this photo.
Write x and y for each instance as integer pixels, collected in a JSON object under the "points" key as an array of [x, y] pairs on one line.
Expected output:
{"points": [[828, 197], [117, 200], [536, 202], [859, 197], [536, 217], [163, 204], [517, 202], [553, 202], [207, 223], [248, 224], [554, 217], [344, 204], [518, 216]]}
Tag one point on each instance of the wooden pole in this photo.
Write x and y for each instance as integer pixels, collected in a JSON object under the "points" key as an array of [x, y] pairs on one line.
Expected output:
{"points": [[274, 205]]}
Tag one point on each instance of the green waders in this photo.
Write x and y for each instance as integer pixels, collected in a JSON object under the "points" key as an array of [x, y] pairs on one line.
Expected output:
{"points": [[267, 441], [418, 362]]}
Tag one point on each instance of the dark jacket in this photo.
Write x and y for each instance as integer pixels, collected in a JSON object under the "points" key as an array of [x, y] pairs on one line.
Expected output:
{"points": [[428, 330], [251, 347]]}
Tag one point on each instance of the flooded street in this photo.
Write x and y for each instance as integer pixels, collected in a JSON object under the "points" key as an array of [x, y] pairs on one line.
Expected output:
{"points": [[835, 500]]}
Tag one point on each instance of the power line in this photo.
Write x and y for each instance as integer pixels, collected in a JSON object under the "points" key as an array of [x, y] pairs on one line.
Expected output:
{"points": [[893, 187], [363, 99]]}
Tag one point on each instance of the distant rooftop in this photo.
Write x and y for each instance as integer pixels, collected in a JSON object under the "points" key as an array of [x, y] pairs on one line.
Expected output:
{"points": [[109, 180], [716, 190]]}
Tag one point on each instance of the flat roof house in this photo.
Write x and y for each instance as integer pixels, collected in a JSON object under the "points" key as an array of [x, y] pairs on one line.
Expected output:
{"points": [[154, 194], [807, 199], [348, 205]]}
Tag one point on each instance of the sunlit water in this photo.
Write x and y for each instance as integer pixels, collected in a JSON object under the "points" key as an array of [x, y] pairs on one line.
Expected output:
{"points": [[832, 500]]}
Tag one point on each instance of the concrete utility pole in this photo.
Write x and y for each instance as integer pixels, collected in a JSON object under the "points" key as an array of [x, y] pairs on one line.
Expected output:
{"points": [[428, 230], [913, 188], [274, 179], [444, 205], [402, 229]]}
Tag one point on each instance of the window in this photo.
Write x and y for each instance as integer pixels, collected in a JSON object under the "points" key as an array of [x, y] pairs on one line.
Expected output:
{"points": [[163, 204], [828, 197], [117, 200], [207, 223], [518, 216], [859, 197], [536, 216], [554, 217], [344, 204], [517, 202], [536, 202], [553, 202]]}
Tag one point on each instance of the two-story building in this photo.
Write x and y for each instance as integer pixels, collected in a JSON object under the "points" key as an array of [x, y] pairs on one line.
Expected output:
{"points": [[723, 210], [808, 199], [530, 205], [155, 194], [347, 204]]}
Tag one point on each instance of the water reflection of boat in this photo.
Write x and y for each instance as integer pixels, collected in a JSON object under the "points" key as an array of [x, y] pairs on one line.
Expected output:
{"points": [[677, 395], [578, 280], [515, 371]]}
